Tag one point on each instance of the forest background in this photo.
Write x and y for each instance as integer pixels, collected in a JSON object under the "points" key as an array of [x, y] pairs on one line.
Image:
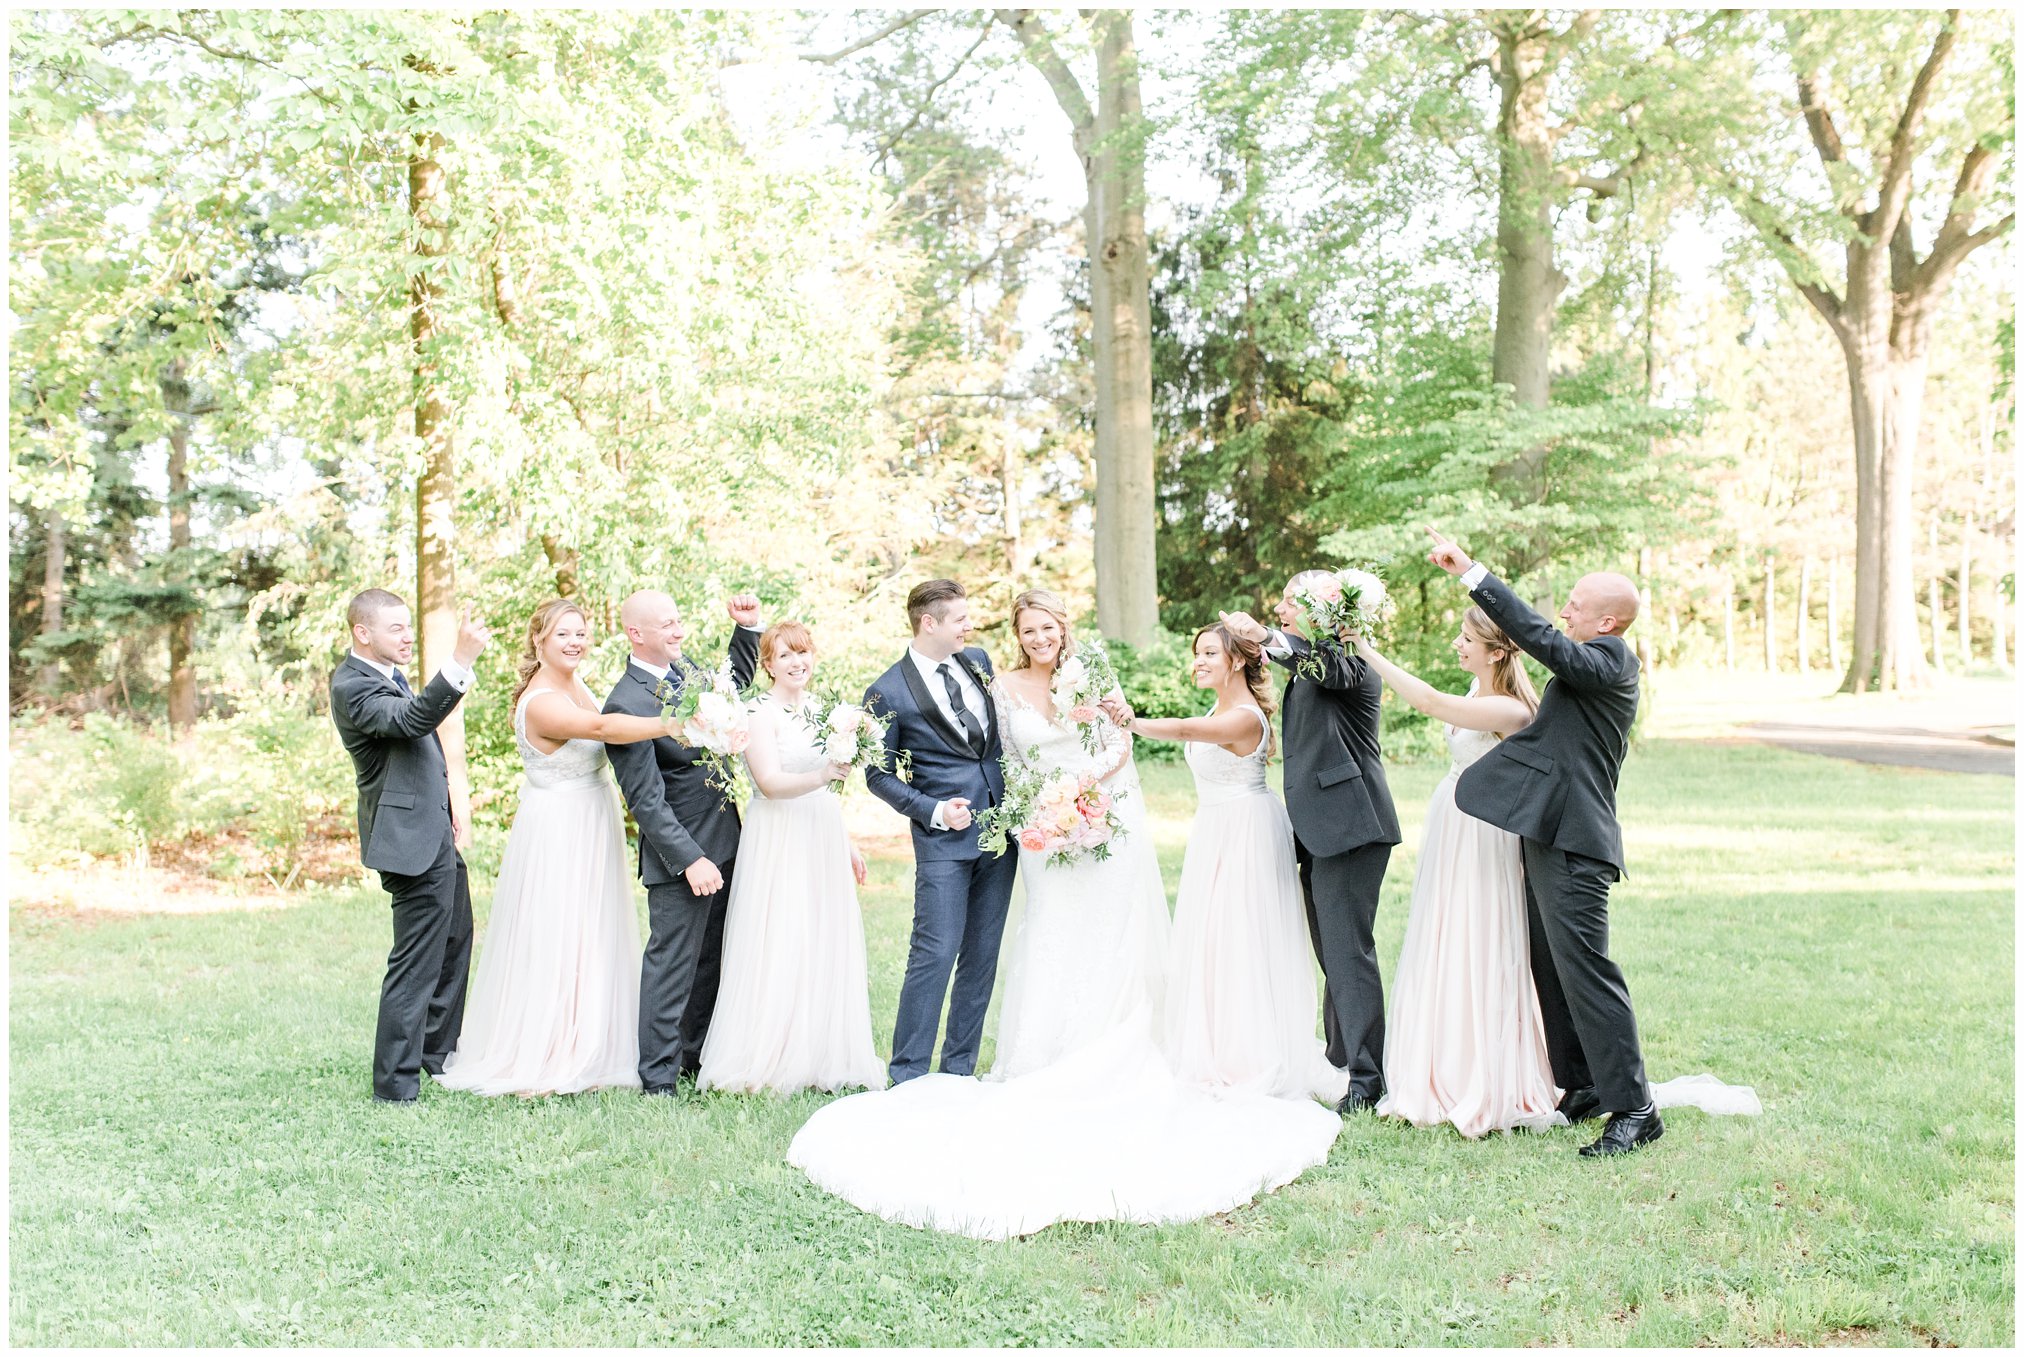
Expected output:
{"points": [[1151, 308]]}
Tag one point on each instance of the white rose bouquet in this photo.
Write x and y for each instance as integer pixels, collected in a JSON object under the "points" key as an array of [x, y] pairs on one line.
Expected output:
{"points": [[1349, 601], [709, 715], [1065, 816], [1082, 680], [849, 734]]}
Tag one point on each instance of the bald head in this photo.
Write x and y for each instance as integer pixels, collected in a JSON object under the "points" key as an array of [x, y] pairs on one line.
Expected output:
{"points": [[1601, 604], [653, 624]]}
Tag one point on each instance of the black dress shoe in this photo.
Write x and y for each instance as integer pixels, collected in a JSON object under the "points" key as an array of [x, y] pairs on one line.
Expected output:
{"points": [[1627, 1131], [408, 1101], [661, 1091], [1356, 1102], [1581, 1104]]}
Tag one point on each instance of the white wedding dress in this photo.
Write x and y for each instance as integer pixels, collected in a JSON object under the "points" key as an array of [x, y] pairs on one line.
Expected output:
{"points": [[1081, 1117], [555, 1001]]}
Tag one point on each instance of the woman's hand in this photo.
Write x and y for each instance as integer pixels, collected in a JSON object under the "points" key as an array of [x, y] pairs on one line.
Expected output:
{"points": [[838, 772], [1118, 710], [858, 868]]}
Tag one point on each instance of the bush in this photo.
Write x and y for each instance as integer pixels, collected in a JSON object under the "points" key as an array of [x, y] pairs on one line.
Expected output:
{"points": [[1157, 682]]}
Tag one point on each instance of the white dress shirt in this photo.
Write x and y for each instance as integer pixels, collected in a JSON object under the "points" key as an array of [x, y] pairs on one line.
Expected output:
{"points": [[1473, 576], [665, 670], [972, 695], [457, 674]]}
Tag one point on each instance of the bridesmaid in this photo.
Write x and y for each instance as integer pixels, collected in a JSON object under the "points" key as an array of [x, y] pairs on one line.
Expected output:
{"points": [[1465, 1043], [555, 1004], [793, 1009], [1241, 997]]}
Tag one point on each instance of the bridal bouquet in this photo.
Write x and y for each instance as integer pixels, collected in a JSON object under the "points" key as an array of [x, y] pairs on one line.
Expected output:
{"points": [[1081, 682], [1351, 600], [1067, 816], [849, 734], [710, 716]]}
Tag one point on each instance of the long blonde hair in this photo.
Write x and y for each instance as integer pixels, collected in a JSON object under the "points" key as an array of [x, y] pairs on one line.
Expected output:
{"points": [[1507, 676], [540, 627], [1050, 603]]}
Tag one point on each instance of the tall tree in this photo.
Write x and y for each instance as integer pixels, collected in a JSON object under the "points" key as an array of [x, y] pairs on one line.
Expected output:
{"points": [[1887, 98]]}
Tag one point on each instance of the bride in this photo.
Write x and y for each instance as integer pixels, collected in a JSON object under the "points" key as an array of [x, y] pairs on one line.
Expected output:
{"points": [[1081, 1117]]}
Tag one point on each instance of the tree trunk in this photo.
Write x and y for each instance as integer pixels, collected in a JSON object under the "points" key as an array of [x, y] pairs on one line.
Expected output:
{"points": [[1120, 285], [1729, 628], [436, 490], [563, 561], [1937, 616], [1961, 583], [55, 546], [1999, 647], [1834, 612], [1805, 639], [1528, 284], [1015, 512], [1646, 640], [1770, 614], [183, 626]]}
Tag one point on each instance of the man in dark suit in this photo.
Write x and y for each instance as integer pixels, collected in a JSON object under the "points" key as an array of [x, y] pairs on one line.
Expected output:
{"points": [[936, 703], [688, 837], [1344, 826], [409, 833], [1554, 785]]}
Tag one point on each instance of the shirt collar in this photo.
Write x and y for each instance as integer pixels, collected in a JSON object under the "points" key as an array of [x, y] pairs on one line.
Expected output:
{"points": [[655, 674], [929, 668], [385, 671]]}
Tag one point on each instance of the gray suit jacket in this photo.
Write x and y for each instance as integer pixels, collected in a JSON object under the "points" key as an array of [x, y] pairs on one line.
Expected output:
{"points": [[1336, 794], [403, 780], [1554, 782], [681, 817]]}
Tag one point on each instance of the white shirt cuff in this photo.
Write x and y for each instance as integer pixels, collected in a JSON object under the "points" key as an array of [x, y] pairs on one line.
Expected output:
{"points": [[758, 630], [1473, 576], [1276, 644], [935, 820], [459, 677]]}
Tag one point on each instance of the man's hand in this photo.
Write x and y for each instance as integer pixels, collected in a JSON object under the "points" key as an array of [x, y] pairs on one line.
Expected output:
{"points": [[1244, 627], [744, 609], [956, 812], [472, 638], [703, 877], [1448, 556], [460, 829]]}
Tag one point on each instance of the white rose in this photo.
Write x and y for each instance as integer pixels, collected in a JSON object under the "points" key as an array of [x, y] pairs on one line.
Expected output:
{"points": [[840, 747], [714, 709], [1072, 669], [1369, 588], [846, 718]]}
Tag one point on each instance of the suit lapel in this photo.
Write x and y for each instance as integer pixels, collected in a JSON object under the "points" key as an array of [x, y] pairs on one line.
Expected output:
{"points": [[990, 707], [930, 709], [360, 666]]}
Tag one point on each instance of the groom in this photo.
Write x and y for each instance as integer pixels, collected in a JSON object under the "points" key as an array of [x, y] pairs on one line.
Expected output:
{"points": [[1554, 785], [937, 708], [409, 833], [1344, 826], [688, 836]]}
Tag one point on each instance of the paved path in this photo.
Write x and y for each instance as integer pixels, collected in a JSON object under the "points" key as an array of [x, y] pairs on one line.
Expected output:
{"points": [[1948, 751]]}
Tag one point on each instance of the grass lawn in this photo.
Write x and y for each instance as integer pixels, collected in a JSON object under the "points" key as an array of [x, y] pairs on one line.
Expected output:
{"points": [[195, 1161]]}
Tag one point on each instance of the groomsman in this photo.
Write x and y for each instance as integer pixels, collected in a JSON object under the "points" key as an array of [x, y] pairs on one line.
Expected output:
{"points": [[1344, 827], [409, 833], [688, 836], [1554, 785]]}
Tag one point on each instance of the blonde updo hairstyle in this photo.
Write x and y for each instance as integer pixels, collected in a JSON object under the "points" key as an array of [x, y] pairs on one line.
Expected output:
{"points": [[1050, 603], [793, 635], [1249, 658], [540, 627], [1507, 675]]}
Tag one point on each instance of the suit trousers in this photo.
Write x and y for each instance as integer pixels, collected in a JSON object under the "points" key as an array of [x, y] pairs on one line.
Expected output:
{"points": [[421, 1011], [1341, 894], [1591, 1033], [679, 974], [959, 921]]}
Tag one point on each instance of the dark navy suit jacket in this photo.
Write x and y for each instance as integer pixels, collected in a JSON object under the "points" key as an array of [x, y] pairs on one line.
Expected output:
{"points": [[943, 764]]}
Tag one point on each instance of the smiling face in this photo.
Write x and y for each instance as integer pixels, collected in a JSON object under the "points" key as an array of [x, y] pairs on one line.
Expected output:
{"points": [[1040, 636], [654, 627], [1477, 656], [1213, 663], [567, 642], [1602, 604], [388, 637], [944, 629], [790, 666], [1287, 610]]}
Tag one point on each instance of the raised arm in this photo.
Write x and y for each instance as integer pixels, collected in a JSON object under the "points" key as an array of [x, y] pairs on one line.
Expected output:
{"points": [[389, 716], [1340, 669], [1504, 715], [553, 717], [1583, 666], [1233, 727]]}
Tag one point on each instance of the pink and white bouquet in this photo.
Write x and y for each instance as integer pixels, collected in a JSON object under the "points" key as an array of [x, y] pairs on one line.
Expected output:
{"points": [[710, 715], [1347, 601], [1068, 817], [1082, 680], [849, 735]]}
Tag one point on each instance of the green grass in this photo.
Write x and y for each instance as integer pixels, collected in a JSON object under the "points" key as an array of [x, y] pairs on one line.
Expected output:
{"points": [[194, 1159]]}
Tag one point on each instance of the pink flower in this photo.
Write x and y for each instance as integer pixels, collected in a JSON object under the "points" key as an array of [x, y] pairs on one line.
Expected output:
{"points": [[1082, 714], [1102, 801], [738, 740], [1329, 592], [1032, 839]]}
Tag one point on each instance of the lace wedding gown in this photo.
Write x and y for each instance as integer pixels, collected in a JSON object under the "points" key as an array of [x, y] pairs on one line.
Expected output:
{"points": [[555, 1001], [793, 1010], [1101, 1129], [1241, 996]]}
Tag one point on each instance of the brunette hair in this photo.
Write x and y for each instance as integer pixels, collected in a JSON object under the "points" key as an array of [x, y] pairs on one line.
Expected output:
{"points": [[1050, 603], [367, 605], [1250, 659], [792, 634], [1507, 676], [540, 627], [929, 596]]}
